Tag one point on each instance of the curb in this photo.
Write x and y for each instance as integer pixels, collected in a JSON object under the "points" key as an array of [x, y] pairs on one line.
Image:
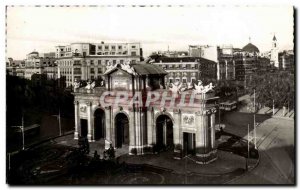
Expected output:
{"points": [[32, 145], [249, 170]]}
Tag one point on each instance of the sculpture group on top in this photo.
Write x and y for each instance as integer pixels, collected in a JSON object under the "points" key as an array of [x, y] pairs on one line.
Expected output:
{"points": [[124, 66], [197, 88], [89, 84]]}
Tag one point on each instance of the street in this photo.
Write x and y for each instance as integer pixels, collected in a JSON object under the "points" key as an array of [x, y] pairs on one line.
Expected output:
{"points": [[275, 141]]}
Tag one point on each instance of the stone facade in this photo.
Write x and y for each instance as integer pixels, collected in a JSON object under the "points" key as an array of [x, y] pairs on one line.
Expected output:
{"points": [[180, 127]]}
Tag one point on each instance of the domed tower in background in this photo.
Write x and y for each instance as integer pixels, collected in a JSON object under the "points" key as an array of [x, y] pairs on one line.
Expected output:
{"points": [[251, 49], [274, 52]]}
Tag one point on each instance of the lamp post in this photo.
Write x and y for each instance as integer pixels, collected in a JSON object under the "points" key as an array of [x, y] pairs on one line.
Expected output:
{"points": [[254, 130], [59, 122], [247, 149], [22, 130]]}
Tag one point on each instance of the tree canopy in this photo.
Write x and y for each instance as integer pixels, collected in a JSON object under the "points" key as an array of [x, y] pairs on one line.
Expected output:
{"points": [[278, 87]]}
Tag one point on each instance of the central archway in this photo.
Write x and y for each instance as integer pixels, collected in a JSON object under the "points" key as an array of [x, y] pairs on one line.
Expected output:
{"points": [[164, 133], [99, 124], [121, 130]]}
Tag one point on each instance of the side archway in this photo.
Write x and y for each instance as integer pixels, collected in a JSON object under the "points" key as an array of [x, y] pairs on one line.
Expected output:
{"points": [[99, 124], [121, 130], [164, 132]]}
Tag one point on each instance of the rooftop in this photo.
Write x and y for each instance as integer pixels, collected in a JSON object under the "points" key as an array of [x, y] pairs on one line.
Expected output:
{"points": [[165, 59], [250, 48]]}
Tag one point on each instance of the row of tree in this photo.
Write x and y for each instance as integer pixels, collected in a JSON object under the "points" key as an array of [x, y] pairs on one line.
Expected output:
{"points": [[33, 97], [276, 89]]}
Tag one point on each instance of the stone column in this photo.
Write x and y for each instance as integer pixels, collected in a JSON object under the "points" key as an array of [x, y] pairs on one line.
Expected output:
{"points": [[213, 137], [176, 127], [131, 130], [90, 124], [149, 126], [199, 133], [138, 130], [154, 129], [205, 133], [108, 140], [77, 119], [113, 125]]}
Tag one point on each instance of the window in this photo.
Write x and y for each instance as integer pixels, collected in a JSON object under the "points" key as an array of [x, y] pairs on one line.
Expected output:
{"points": [[113, 47], [106, 47], [99, 62], [61, 49], [100, 47], [99, 70], [77, 71], [133, 47], [133, 61], [92, 62], [121, 61], [133, 53], [170, 80], [76, 62], [184, 80], [92, 70], [119, 47], [114, 62]]}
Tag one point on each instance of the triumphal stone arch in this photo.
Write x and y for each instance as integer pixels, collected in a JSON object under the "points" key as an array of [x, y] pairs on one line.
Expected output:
{"points": [[134, 109]]}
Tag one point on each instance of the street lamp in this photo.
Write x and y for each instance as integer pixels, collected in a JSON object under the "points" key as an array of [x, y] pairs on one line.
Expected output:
{"points": [[59, 122], [254, 125], [22, 130]]}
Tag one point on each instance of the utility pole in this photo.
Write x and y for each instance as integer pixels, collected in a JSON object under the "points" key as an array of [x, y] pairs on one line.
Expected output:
{"points": [[254, 131], [273, 107], [219, 116], [247, 149], [23, 132], [59, 123]]}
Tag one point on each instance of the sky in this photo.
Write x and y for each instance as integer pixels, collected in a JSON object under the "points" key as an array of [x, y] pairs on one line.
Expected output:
{"points": [[156, 28]]}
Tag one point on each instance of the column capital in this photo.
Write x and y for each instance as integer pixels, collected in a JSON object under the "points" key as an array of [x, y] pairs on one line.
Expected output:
{"points": [[88, 103], [149, 108], [199, 113], [177, 111], [207, 112], [213, 110]]}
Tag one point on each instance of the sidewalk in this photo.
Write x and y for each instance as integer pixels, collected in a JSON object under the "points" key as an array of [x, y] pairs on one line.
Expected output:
{"points": [[225, 163], [98, 146]]}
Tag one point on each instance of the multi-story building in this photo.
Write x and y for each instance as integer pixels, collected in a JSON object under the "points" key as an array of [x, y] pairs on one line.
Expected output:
{"points": [[226, 63], [187, 69], [286, 60], [223, 56], [36, 64], [15, 67], [86, 61], [171, 53]]}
